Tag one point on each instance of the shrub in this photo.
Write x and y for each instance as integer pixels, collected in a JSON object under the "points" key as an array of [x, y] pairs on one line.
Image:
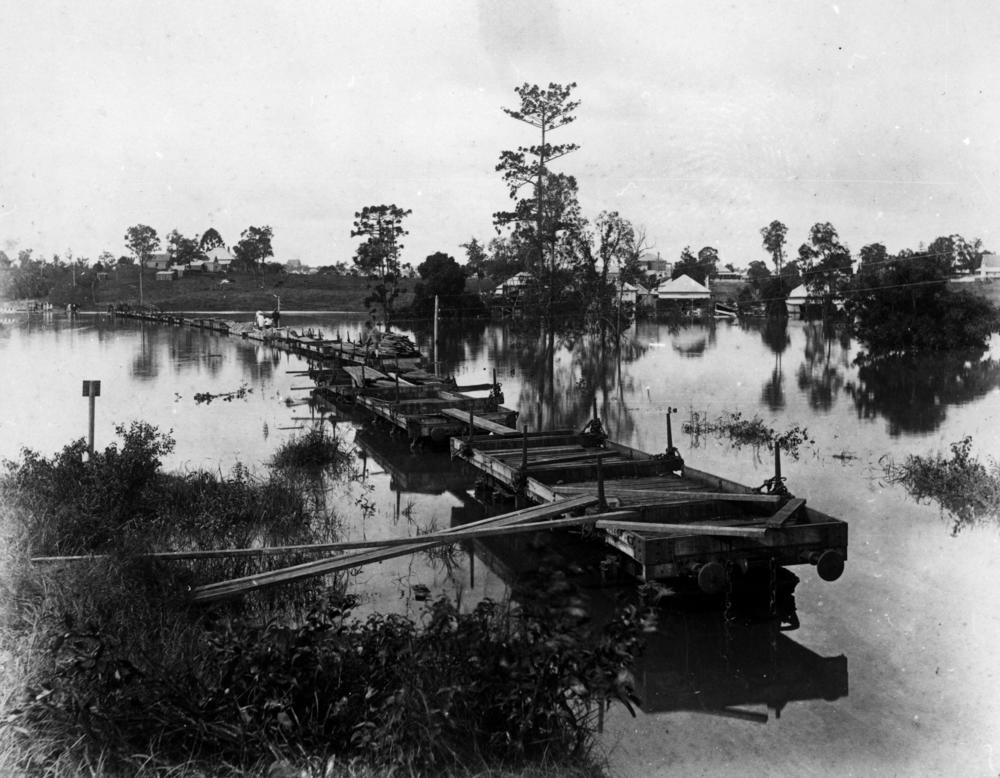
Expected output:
{"points": [[500, 685], [313, 449], [961, 485]]}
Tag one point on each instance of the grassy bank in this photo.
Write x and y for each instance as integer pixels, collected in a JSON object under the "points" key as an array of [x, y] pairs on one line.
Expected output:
{"points": [[244, 292], [111, 669]]}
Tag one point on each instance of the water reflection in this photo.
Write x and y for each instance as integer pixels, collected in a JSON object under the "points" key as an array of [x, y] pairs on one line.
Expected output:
{"points": [[697, 658], [821, 374], [145, 362], [567, 377], [774, 334], [704, 663], [913, 393]]}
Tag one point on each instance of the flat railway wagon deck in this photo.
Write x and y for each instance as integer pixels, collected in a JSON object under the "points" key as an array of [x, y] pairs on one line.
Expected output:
{"points": [[687, 522]]}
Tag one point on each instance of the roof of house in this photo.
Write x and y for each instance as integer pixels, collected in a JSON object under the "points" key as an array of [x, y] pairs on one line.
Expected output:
{"points": [[798, 295], [990, 262], [682, 288], [218, 254]]}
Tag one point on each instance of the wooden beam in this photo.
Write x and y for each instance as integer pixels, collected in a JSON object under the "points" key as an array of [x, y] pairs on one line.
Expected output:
{"points": [[683, 529], [350, 545], [478, 421], [785, 513], [237, 586], [685, 495]]}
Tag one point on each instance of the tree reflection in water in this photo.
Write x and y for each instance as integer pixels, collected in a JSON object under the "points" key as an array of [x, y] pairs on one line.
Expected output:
{"points": [[567, 373], [913, 393], [827, 355], [774, 333]]}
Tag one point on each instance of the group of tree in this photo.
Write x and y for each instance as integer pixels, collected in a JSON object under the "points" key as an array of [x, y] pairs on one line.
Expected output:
{"points": [[700, 268], [377, 257], [249, 253], [576, 265], [904, 303]]}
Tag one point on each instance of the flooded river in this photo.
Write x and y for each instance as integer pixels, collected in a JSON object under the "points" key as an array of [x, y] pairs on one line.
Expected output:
{"points": [[892, 668]]}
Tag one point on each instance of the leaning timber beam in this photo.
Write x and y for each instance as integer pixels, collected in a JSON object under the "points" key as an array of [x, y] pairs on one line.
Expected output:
{"points": [[238, 586], [351, 545]]}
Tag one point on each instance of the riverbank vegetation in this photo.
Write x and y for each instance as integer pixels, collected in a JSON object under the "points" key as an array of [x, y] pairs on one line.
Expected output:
{"points": [[111, 669]]}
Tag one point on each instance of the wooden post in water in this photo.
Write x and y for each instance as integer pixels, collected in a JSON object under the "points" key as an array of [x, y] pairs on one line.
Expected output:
{"points": [[601, 502], [472, 567], [91, 389], [471, 414], [397, 387], [777, 463], [435, 333], [520, 498]]}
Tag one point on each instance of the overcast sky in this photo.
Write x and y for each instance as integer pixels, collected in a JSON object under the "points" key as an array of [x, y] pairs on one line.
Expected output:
{"points": [[700, 121]]}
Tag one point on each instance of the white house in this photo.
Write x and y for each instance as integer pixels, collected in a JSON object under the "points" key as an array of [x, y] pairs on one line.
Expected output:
{"points": [[514, 283], [682, 288], [990, 267]]}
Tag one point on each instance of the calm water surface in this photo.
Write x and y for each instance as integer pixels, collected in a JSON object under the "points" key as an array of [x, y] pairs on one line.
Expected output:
{"points": [[892, 670]]}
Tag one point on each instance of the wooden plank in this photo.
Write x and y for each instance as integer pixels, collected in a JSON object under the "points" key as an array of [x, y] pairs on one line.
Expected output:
{"points": [[478, 421], [216, 591], [683, 494], [350, 545], [370, 374], [785, 513], [684, 529]]}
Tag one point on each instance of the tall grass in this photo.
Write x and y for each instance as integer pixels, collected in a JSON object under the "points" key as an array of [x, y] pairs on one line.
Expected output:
{"points": [[110, 669]]}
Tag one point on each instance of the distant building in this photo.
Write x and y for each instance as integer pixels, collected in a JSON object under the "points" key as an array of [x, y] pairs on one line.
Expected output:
{"points": [[731, 275], [990, 266], [165, 275], [294, 266], [217, 260], [514, 284], [655, 266], [682, 288], [158, 262]]}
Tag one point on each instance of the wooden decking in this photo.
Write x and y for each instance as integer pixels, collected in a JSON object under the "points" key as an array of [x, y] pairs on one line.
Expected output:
{"points": [[687, 521]]}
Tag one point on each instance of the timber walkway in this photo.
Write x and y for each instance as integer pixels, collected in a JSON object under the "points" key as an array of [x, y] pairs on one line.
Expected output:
{"points": [[390, 383], [662, 519]]}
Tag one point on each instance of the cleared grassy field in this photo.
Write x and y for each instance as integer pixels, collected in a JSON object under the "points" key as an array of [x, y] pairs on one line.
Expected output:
{"points": [[244, 292]]}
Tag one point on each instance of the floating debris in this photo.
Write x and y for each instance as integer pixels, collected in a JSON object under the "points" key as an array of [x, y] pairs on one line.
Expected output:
{"points": [[748, 432], [239, 394]]}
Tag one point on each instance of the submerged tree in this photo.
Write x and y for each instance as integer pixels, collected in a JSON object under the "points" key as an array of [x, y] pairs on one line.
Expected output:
{"points": [[442, 277], [546, 109], [377, 257], [773, 240], [904, 306], [826, 264]]}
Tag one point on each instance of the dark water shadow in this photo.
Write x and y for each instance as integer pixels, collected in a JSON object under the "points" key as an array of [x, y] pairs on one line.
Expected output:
{"points": [[913, 394]]}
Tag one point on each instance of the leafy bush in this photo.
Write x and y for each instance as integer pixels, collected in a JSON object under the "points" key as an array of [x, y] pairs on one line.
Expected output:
{"points": [[504, 685], [961, 485], [74, 504]]}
